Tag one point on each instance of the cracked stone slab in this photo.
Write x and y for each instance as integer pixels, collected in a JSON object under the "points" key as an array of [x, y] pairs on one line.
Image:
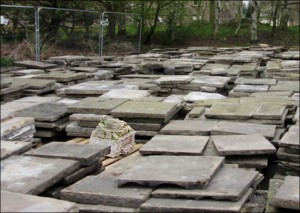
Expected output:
{"points": [[188, 127], [155, 170], [228, 184], [33, 175], [287, 195], [125, 94], [242, 145], [267, 111], [31, 203], [9, 148], [211, 81], [86, 154], [186, 205], [175, 145], [241, 128], [198, 96]]}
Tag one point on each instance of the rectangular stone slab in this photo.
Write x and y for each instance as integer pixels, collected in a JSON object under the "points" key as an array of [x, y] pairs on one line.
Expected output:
{"points": [[255, 81], [198, 96], [242, 145], [33, 175], [291, 138], [283, 155], [186, 205], [267, 111], [228, 184], [156, 170], [31, 203], [14, 124], [188, 127], [36, 83], [86, 208], [241, 128], [212, 81], [86, 154], [35, 64], [62, 77], [175, 145], [9, 148], [287, 195], [130, 94]]}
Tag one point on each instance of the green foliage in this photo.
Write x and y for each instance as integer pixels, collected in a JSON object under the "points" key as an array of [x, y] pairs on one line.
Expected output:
{"points": [[6, 61]]}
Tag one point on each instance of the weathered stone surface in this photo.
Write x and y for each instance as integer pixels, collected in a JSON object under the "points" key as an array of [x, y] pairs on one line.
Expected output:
{"points": [[197, 96], [189, 127], [255, 161], [174, 80], [95, 106], [211, 81], [250, 88], [36, 83], [186, 205], [73, 129], [33, 175], [210, 102], [126, 94], [35, 64], [255, 81], [29, 72], [227, 184], [195, 112], [267, 111], [286, 86], [287, 195], [86, 154], [291, 138], [85, 69], [241, 128], [62, 77], [9, 148], [242, 145], [14, 124], [31, 203], [283, 155], [14, 87], [270, 100], [139, 109], [85, 208], [155, 170], [175, 145], [272, 93]]}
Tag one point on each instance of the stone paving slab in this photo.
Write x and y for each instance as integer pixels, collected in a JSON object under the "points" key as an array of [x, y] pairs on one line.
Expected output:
{"points": [[272, 93], [231, 111], [242, 145], [287, 101], [188, 127], [283, 155], [125, 94], [212, 81], [29, 72], [9, 148], [250, 88], [228, 184], [196, 112], [14, 87], [198, 96], [255, 81], [36, 83], [271, 112], [179, 79], [241, 128], [85, 208], [92, 105], [291, 138], [175, 145], [31, 203], [61, 76], [139, 109], [156, 170], [186, 205], [287, 195], [86, 154], [33, 175], [85, 69], [286, 86], [35, 64], [14, 124], [210, 102]]}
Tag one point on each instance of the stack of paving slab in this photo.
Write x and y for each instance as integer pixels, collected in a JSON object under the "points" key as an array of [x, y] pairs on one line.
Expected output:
{"points": [[96, 72], [173, 84], [118, 68], [50, 119], [165, 184], [283, 69], [10, 89], [35, 64], [9, 148]]}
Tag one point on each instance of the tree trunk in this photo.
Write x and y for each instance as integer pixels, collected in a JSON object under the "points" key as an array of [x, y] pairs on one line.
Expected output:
{"points": [[217, 19], [284, 17], [239, 19], [274, 17], [122, 20], [212, 11], [254, 20], [152, 29]]}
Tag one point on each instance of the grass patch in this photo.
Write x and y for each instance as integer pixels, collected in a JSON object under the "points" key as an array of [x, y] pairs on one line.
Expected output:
{"points": [[6, 61]]}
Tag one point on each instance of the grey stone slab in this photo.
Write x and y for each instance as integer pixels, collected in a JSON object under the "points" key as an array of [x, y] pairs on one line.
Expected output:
{"points": [[209, 66], [250, 88], [84, 208], [196, 112], [53, 124], [210, 102], [14, 124], [86, 154], [73, 129], [270, 100], [17, 202], [90, 124], [228, 184], [175, 145], [255, 81], [197, 96], [33, 175], [274, 184], [29, 72], [62, 77], [186, 205], [9, 148], [231, 128], [85, 69], [272, 93], [286, 86], [5, 82], [256, 161], [45, 112], [231, 111], [180, 79], [45, 133], [14, 87], [188, 127], [35, 64], [285, 156], [36, 83], [271, 112], [145, 126], [156, 170], [125, 94], [242, 145], [287, 195], [291, 138], [139, 109], [212, 81], [95, 106]]}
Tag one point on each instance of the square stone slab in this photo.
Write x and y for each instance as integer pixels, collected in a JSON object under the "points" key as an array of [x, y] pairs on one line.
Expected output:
{"points": [[287, 195], [198, 96], [92, 105], [242, 145], [175, 145], [45, 112], [86, 154], [227, 184], [250, 88], [31, 203], [156, 170], [126, 94], [211, 81], [186, 205], [9, 148], [268, 111], [241, 128], [140, 109], [291, 138], [33, 175], [35, 64], [188, 127], [231, 111]]}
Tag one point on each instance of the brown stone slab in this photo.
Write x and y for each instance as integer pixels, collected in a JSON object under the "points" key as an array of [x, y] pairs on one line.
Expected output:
{"points": [[156, 170], [227, 184], [175, 145], [33, 175], [86, 154], [242, 145], [9, 148]]}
